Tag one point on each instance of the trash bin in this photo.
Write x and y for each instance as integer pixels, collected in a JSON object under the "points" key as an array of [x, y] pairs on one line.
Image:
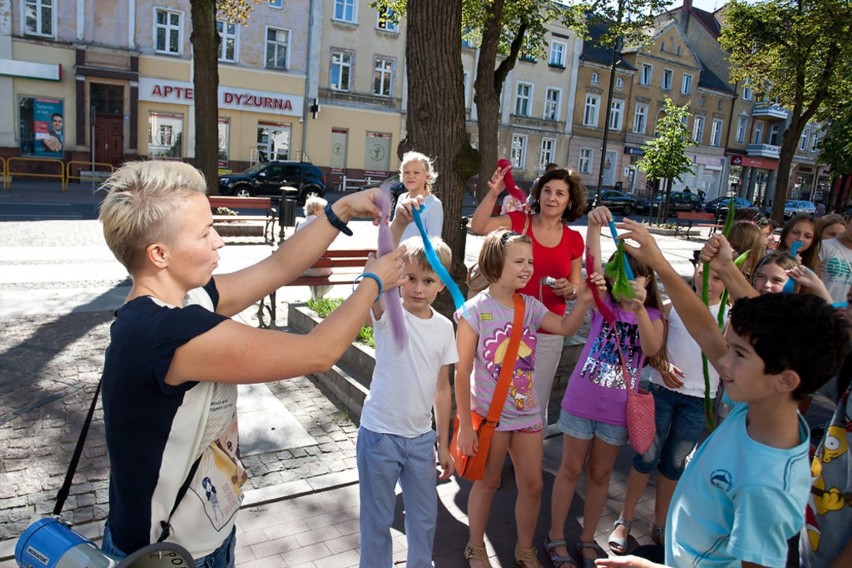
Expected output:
{"points": [[287, 213]]}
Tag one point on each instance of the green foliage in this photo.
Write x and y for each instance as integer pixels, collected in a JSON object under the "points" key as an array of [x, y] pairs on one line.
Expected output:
{"points": [[325, 306], [835, 149], [795, 52], [665, 155]]}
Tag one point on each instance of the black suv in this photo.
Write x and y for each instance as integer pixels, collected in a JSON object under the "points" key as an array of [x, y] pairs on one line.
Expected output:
{"points": [[614, 200], [269, 178], [679, 201]]}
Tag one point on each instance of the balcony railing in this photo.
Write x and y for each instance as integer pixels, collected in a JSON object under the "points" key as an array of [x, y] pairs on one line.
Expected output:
{"points": [[769, 111], [763, 151]]}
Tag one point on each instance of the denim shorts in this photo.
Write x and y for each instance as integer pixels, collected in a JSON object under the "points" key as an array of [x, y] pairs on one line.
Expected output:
{"points": [[585, 429], [679, 420]]}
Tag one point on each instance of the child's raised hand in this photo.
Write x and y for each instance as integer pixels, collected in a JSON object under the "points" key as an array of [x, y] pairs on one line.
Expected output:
{"points": [[640, 293], [598, 281], [404, 206], [497, 182], [718, 252], [600, 216], [648, 252], [446, 463]]}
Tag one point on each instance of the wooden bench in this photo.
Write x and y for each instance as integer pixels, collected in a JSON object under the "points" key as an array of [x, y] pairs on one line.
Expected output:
{"points": [[263, 223], [687, 218], [346, 265]]}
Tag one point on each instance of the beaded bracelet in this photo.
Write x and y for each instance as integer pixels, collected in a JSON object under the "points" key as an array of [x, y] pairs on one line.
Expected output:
{"points": [[337, 223], [369, 275]]}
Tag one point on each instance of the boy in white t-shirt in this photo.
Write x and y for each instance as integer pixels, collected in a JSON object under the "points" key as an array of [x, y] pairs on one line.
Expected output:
{"points": [[396, 442]]}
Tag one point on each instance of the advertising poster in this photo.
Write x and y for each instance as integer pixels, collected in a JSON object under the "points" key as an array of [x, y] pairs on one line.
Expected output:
{"points": [[48, 127]]}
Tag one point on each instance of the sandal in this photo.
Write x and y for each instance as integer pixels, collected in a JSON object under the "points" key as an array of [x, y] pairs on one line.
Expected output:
{"points": [[618, 545], [526, 557], [557, 560], [658, 534], [599, 553], [476, 553]]}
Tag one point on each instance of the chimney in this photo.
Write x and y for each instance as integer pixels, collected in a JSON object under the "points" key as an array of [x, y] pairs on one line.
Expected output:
{"points": [[687, 4]]}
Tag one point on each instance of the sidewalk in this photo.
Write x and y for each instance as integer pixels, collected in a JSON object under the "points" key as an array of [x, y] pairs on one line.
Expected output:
{"points": [[58, 286]]}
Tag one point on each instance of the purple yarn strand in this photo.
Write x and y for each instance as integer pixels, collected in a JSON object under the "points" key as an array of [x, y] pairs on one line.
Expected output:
{"points": [[391, 301]]}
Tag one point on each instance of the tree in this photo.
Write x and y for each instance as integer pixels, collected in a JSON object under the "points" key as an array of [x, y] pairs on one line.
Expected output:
{"points": [[205, 78], [665, 155], [795, 53], [835, 151], [435, 122]]}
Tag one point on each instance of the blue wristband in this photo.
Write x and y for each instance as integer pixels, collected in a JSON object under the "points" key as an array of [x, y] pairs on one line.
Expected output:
{"points": [[337, 223], [369, 275]]}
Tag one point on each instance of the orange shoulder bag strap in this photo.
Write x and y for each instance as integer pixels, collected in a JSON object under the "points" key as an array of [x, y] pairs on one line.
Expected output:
{"points": [[507, 370]]}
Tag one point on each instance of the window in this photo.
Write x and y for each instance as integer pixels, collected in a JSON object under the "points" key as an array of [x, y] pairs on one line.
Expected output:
{"points": [[640, 118], [229, 41], [595, 78], [387, 20], [584, 166], [817, 138], [803, 141], [686, 84], [619, 83], [41, 126], [523, 99], [590, 113], [344, 10], [742, 124], [277, 48], [383, 77], [552, 99], [548, 145], [519, 151], [647, 74], [775, 135], [557, 54], [757, 135], [616, 112], [747, 90], [698, 129], [668, 76], [341, 69], [168, 31], [39, 17], [224, 137], [716, 132], [165, 134]]}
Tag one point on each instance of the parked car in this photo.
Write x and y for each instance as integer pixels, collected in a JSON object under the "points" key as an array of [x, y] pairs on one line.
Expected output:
{"points": [[721, 203], [678, 201], [616, 201], [795, 207], [269, 179]]}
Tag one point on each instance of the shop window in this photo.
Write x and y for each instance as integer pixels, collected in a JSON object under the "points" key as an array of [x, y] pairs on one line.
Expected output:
{"points": [[277, 48], [39, 17], [224, 137], [168, 31], [165, 135], [273, 141], [229, 41], [42, 126]]}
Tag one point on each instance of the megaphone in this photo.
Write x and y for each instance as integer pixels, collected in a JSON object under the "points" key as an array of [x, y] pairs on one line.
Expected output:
{"points": [[51, 543]]}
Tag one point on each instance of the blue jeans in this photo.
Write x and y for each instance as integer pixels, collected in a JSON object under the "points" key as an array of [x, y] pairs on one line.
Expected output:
{"points": [[384, 459], [680, 420], [222, 557]]}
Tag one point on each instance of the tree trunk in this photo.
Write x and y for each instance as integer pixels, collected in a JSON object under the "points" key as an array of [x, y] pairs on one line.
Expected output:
{"points": [[435, 122], [205, 51], [486, 97], [789, 141]]}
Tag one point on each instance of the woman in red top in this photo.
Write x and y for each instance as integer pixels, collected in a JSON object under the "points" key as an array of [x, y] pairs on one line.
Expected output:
{"points": [[558, 198]]}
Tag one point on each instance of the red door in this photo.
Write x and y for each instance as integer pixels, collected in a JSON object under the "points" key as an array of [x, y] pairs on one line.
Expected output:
{"points": [[109, 139]]}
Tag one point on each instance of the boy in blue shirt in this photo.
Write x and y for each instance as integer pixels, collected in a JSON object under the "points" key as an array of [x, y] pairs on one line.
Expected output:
{"points": [[743, 495], [396, 442]]}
